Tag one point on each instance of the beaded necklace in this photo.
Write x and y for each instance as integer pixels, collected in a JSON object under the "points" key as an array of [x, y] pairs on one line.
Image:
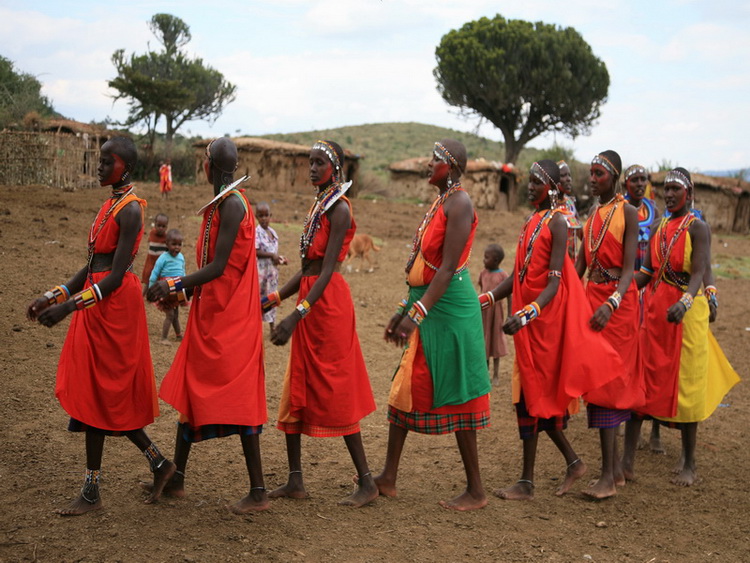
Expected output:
{"points": [[323, 201], [666, 271], [224, 193], [593, 244], [532, 239], [115, 199], [416, 244]]}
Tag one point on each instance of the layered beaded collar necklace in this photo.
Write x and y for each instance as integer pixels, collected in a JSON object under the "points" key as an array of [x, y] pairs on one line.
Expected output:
{"points": [[419, 235], [532, 239], [323, 202], [666, 271], [118, 195]]}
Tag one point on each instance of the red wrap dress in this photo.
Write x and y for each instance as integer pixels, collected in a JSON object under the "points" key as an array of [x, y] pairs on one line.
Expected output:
{"points": [[105, 378], [326, 388], [558, 356], [603, 237], [217, 379]]}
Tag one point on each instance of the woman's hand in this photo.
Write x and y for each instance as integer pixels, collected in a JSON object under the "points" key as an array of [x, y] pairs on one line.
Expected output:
{"points": [[36, 307], [600, 318], [676, 312], [54, 314], [390, 330], [403, 330], [283, 332], [158, 291], [512, 324]]}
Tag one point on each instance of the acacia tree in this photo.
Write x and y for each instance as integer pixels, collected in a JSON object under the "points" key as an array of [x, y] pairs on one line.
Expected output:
{"points": [[526, 79], [168, 84]]}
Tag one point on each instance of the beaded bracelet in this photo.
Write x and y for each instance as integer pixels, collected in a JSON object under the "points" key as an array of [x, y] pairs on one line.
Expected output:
{"points": [[174, 284], [528, 313], [58, 294], [88, 297], [647, 271], [487, 300], [181, 296], [401, 307], [554, 274], [687, 301], [417, 313], [303, 308], [268, 302], [710, 293], [614, 301]]}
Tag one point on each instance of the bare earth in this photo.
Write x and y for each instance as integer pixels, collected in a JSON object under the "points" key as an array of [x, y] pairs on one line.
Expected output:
{"points": [[43, 233]]}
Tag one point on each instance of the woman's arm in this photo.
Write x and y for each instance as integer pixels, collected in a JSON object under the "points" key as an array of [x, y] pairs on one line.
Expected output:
{"points": [[699, 235]]}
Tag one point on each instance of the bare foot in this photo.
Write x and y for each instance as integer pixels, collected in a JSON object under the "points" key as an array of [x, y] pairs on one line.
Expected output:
{"points": [[655, 445], [685, 478], [465, 501], [289, 491], [255, 501], [601, 489], [628, 472], [367, 491], [174, 486], [679, 466], [386, 487], [79, 506], [522, 490], [496, 381], [162, 477], [575, 471]]}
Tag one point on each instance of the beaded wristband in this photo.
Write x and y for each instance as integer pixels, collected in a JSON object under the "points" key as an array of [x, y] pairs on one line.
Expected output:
{"points": [[181, 296], [417, 313], [710, 293], [554, 274], [303, 308], [174, 284], [88, 297], [58, 294], [686, 300], [647, 271], [487, 300], [528, 313], [401, 307], [614, 300], [268, 302]]}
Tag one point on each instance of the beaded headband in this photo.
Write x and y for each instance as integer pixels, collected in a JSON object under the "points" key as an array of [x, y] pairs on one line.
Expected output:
{"points": [[541, 173], [561, 164], [602, 160], [441, 153], [330, 153], [679, 178], [633, 170]]}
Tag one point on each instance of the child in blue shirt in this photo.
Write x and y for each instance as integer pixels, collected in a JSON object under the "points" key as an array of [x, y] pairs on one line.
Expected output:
{"points": [[170, 264]]}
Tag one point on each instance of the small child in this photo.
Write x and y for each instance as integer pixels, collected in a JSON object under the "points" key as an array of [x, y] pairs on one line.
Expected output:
{"points": [[267, 251], [157, 245], [170, 264], [493, 318]]}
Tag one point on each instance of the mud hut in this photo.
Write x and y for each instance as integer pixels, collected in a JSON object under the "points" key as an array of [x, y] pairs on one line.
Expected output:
{"points": [[276, 166], [725, 202], [490, 184], [59, 152]]}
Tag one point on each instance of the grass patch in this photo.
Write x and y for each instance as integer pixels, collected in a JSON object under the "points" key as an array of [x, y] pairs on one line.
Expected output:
{"points": [[731, 267]]}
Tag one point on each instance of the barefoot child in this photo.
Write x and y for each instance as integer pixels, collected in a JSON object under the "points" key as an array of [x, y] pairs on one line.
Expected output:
{"points": [[326, 387], [217, 379], [157, 245], [441, 385], [493, 317], [171, 264], [558, 356], [105, 379], [267, 249]]}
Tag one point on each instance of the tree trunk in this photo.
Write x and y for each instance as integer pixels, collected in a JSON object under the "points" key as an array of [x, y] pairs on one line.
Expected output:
{"points": [[512, 150], [169, 136]]}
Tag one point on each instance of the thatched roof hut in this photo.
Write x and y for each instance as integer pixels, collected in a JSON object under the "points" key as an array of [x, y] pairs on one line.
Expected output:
{"points": [[276, 166], [725, 202], [488, 183]]}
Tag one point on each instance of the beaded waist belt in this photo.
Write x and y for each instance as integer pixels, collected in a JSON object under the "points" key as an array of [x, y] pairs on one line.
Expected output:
{"points": [[604, 275]]}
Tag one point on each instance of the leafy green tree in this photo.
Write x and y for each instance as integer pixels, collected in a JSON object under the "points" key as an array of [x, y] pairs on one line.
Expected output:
{"points": [[20, 94], [525, 78], [168, 84]]}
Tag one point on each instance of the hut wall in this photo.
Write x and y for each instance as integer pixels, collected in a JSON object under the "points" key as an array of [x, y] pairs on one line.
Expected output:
{"points": [[482, 186]]}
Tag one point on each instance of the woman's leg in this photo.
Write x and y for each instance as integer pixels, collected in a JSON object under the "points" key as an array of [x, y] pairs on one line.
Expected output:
{"points": [[295, 486], [386, 481], [474, 496], [367, 490], [89, 498]]}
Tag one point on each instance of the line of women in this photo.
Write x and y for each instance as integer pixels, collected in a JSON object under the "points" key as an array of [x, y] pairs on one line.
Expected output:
{"points": [[571, 341]]}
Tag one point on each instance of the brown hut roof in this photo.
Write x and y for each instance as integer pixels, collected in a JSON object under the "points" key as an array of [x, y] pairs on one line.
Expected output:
{"points": [[71, 126], [716, 183]]}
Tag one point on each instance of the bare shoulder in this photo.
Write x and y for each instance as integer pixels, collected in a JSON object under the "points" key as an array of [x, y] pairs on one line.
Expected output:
{"points": [[459, 202]]}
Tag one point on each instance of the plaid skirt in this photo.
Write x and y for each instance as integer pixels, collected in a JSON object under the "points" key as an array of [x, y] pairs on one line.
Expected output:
{"points": [[428, 423], [529, 426], [601, 417], [316, 431]]}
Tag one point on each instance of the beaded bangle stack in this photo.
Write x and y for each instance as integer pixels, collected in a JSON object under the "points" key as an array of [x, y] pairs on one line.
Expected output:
{"points": [[88, 297], [647, 271], [268, 302], [686, 300], [528, 313], [58, 294], [554, 274], [401, 307], [710, 293], [174, 284], [613, 301], [487, 300], [303, 308], [417, 313]]}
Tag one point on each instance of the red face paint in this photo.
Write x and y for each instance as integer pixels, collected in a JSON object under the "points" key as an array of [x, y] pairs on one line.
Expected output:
{"points": [[439, 171]]}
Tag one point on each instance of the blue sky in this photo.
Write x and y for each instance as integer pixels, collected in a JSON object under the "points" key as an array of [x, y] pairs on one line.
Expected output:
{"points": [[679, 70]]}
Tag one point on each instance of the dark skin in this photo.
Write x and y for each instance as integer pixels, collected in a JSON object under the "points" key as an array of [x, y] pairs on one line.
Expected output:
{"points": [[129, 220], [459, 212], [340, 219], [524, 489], [232, 213], [677, 199], [602, 184]]}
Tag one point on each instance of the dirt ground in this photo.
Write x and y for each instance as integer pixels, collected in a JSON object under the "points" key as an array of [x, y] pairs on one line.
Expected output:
{"points": [[43, 233]]}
